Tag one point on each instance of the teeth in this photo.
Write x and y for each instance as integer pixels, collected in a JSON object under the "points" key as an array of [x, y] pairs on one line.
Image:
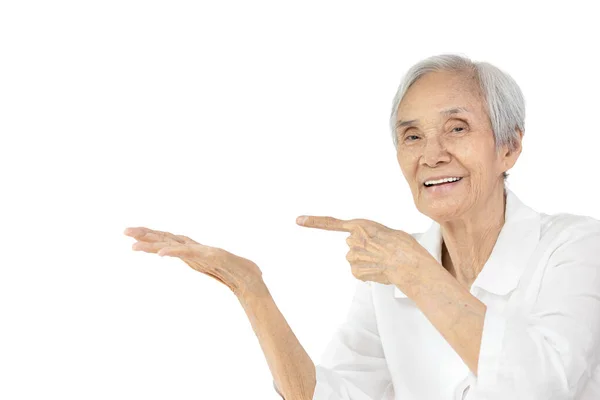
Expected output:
{"points": [[436, 182]]}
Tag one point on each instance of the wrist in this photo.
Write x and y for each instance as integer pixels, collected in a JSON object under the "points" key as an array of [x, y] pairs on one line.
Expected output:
{"points": [[412, 282], [252, 290]]}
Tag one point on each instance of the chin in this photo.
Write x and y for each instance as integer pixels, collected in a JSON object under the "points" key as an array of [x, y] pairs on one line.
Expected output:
{"points": [[441, 210]]}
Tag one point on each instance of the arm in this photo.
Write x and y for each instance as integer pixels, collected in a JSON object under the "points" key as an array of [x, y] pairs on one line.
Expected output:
{"points": [[546, 354], [452, 309], [290, 365], [353, 366]]}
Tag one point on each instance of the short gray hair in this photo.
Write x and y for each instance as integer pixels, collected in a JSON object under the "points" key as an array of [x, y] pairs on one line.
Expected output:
{"points": [[505, 101]]}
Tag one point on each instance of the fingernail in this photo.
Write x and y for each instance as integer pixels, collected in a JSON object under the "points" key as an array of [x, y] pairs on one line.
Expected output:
{"points": [[301, 219]]}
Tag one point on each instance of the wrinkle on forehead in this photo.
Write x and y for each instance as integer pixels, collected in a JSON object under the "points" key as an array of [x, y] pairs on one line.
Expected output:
{"points": [[467, 82], [445, 112]]}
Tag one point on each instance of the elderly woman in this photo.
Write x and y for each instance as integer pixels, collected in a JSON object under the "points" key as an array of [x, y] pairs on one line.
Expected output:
{"points": [[493, 301]]}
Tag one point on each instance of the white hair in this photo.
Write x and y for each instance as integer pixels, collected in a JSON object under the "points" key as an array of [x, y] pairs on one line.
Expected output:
{"points": [[505, 101]]}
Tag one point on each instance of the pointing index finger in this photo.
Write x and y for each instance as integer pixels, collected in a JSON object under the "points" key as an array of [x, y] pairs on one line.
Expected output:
{"points": [[327, 223]]}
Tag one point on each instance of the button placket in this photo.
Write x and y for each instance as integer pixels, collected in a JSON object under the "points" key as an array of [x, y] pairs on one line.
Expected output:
{"points": [[464, 395], [462, 389]]}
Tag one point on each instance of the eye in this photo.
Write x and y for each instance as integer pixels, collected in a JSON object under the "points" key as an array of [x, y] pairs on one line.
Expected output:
{"points": [[410, 136], [458, 127]]}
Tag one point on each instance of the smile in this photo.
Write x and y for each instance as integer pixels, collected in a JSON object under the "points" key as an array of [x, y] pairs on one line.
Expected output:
{"points": [[442, 188]]}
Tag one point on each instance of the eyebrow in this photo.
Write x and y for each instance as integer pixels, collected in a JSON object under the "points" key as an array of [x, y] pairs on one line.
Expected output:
{"points": [[448, 111]]}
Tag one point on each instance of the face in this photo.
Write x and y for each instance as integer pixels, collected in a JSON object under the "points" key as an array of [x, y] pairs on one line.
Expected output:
{"points": [[444, 131]]}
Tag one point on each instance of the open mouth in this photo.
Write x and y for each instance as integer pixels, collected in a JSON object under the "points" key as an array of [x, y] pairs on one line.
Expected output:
{"points": [[443, 183]]}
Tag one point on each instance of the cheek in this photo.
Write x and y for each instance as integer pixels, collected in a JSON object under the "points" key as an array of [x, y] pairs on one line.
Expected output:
{"points": [[475, 156], [469, 153], [480, 168], [406, 163], [407, 158]]}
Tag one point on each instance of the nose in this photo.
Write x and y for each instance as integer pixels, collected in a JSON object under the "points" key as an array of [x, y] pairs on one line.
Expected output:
{"points": [[434, 153]]}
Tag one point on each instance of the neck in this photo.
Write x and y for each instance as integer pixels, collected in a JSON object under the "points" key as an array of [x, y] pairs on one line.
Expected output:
{"points": [[468, 241]]}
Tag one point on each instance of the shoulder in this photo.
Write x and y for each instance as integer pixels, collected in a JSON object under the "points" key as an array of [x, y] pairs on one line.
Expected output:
{"points": [[579, 235], [568, 226]]}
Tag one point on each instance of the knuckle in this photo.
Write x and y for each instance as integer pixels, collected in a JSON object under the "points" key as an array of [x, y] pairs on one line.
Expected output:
{"points": [[350, 256], [182, 239], [187, 239]]}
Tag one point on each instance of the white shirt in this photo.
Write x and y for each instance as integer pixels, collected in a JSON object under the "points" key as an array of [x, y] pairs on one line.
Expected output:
{"points": [[541, 333]]}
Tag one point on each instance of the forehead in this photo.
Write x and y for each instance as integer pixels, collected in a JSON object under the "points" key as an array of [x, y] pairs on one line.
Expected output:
{"points": [[436, 91]]}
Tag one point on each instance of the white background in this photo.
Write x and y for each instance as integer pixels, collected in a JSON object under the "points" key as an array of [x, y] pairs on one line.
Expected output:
{"points": [[224, 121]]}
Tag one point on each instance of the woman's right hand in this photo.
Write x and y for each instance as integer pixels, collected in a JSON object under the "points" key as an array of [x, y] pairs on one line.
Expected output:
{"points": [[237, 273]]}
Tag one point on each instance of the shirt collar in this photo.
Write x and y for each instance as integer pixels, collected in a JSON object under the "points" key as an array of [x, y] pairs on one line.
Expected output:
{"points": [[515, 244]]}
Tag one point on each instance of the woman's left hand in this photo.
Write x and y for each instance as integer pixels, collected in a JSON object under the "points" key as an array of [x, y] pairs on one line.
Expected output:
{"points": [[237, 273], [377, 253]]}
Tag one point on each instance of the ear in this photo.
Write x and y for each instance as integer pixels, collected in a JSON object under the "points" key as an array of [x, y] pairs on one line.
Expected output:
{"points": [[509, 157]]}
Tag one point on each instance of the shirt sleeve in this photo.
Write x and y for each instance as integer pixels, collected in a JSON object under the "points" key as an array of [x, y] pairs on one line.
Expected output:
{"points": [[353, 366], [551, 352]]}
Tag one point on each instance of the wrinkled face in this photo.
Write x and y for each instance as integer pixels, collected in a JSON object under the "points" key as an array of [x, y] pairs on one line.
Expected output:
{"points": [[443, 130]]}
